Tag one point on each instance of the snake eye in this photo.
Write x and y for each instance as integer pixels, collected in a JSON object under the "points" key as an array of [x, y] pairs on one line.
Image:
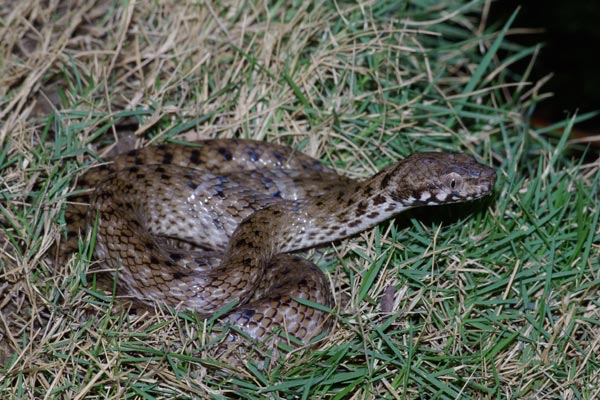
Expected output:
{"points": [[453, 181]]}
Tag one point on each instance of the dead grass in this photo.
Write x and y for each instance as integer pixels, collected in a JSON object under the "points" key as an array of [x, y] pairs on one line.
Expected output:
{"points": [[497, 300]]}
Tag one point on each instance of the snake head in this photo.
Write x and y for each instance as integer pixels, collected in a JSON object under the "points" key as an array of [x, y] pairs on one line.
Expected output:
{"points": [[439, 178]]}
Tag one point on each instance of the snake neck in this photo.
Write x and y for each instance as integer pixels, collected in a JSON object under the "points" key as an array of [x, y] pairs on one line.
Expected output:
{"points": [[359, 206]]}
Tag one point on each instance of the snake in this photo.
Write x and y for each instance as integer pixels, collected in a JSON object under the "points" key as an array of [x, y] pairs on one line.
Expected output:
{"points": [[216, 224]]}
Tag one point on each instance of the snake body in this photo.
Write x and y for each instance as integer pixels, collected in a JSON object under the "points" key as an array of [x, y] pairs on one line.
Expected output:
{"points": [[200, 226]]}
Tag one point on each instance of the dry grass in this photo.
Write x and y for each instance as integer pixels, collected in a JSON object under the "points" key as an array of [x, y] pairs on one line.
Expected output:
{"points": [[495, 300]]}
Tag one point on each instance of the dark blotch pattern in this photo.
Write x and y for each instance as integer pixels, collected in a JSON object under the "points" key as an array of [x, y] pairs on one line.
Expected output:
{"points": [[167, 158], [195, 157], [225, 153]]}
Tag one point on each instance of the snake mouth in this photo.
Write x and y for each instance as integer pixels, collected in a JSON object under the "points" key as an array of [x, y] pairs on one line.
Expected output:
{"points": [[455, 196], [458, 198]]}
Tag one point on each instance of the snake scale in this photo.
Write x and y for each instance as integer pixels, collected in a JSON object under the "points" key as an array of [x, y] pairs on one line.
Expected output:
{"points": [[202, 225]]}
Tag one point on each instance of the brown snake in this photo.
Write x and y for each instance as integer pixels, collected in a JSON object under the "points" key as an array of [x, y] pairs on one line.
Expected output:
{"points": [[203, 225]]}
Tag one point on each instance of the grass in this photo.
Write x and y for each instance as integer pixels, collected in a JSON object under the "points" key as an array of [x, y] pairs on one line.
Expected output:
{"points": [[495, 299]]}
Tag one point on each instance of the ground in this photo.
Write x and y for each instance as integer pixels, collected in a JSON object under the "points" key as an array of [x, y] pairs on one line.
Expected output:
{"points": [[493, 299]]}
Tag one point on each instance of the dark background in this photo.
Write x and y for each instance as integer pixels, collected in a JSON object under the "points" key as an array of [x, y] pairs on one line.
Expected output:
{"points": [[571, 38]]}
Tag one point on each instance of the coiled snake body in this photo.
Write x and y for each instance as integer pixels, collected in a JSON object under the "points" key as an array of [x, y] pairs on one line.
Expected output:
{"points": [[203, 225]]}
